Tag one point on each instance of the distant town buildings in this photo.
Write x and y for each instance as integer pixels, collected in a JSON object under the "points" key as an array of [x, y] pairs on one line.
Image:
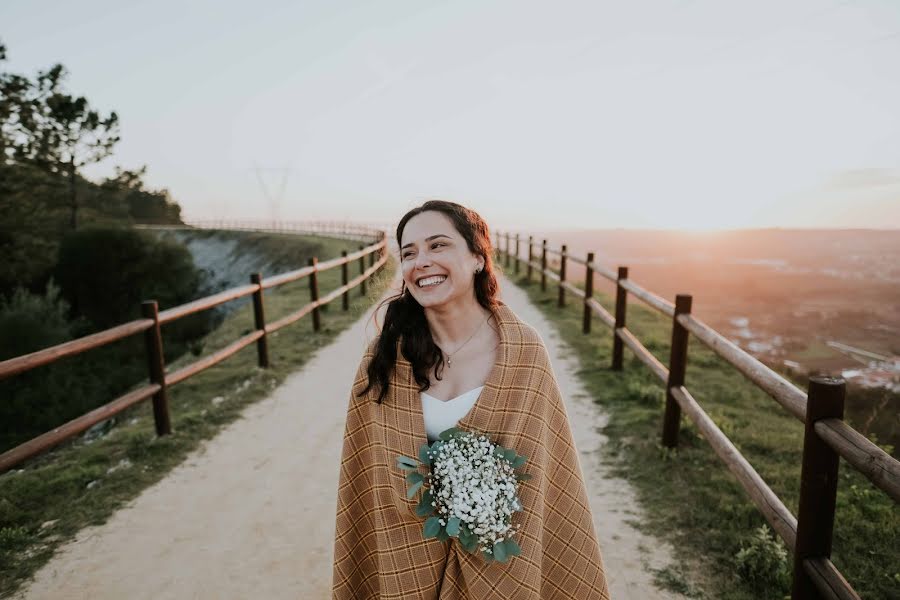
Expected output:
{"points": [[875, 370]]}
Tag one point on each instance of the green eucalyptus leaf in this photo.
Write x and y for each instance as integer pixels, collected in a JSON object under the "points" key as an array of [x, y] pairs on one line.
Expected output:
{"points": [[509, 455], [408, 468], [423, 454], [500, 551], [415, 477], [453, 526], [449, 433], [523, 476], [424, 507], [519, 461], [487, 557], [465, 533], [432, 526], [413, 489], [442, 535], [512, 548], [407, 461]]}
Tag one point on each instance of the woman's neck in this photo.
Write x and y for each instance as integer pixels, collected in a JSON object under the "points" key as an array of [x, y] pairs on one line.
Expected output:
{"points": [[452, 324]]}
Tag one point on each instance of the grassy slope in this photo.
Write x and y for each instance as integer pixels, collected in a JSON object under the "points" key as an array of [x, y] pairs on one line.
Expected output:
{"points": [[54, 487], [690, 496]]}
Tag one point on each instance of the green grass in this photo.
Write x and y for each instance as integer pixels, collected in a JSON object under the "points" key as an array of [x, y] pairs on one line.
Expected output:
{"points": [[816, 351], [82, 483], [690, 497]]}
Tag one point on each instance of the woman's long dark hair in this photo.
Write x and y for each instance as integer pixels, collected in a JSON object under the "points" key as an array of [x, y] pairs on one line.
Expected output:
{"points": [[405, 317]]}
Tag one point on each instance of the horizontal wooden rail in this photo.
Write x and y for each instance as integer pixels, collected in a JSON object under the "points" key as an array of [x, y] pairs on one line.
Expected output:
{"points": [[603, 271], [828, 580], [651, 299], [309, 307], [575, 259], [290, 318], [52, 438], [783, 391], [643, 354], [878, 466], [30, 361], [571, 287], [601, 312], [557, 252], [182, 310], [329, 229], [770, 505], [296, 274], [213, 359]]}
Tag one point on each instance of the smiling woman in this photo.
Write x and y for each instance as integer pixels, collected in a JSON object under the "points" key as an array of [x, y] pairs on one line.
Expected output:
{"points": [[498, 381]]}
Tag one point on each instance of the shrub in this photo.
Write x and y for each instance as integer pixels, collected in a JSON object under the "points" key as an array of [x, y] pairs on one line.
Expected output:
{"points": [[762, 561], [29, 322], [105, 273]]}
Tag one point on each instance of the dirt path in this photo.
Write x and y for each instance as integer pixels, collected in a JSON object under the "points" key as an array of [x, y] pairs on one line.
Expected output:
{"points": [[251, 514]]}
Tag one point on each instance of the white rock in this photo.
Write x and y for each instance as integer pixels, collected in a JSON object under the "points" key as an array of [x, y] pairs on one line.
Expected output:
{"points": [[122, 464]]}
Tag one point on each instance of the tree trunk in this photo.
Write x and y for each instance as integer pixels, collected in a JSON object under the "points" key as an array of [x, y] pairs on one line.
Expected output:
{"points": [[73, 194]]}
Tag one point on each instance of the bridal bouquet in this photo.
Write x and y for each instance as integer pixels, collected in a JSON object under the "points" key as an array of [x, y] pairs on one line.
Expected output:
{"points": [[471, 491]]}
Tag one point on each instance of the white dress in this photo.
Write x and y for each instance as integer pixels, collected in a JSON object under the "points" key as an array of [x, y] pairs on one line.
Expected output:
{"points": [[440, 415]]}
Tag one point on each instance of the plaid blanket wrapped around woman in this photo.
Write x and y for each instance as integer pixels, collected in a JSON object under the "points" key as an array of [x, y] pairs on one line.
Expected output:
{"points": [[379, 549]]}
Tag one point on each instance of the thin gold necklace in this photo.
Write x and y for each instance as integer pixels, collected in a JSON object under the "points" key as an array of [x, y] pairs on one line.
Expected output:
{"points": [[477, 329]]}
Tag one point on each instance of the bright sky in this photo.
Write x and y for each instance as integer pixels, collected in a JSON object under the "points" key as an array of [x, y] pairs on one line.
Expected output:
{"points": [[596, 114]]}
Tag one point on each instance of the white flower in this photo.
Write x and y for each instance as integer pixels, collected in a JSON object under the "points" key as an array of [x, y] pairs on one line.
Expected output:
{"points": [[470, 482]]}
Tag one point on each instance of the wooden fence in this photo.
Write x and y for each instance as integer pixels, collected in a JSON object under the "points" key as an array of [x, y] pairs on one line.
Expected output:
{"points": [[338, 229], [150, 325], [827, 437]]}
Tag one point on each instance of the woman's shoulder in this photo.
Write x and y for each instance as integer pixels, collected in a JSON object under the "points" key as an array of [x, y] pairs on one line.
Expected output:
{"points": [[517, 330], [368, 352], [525, 344]]}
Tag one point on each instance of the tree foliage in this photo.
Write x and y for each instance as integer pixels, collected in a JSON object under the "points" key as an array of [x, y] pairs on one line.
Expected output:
{"points": [[105, 273], [46, 136], [53, 130], [103, 268]]}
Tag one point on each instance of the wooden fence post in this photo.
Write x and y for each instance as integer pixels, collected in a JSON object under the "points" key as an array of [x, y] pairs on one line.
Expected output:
{"points": [[259, 318], [362, 270], [621, 307], [544, 266], [314, 291], [818, 483], [345, 278], [530, 255], [517, 254], [677, 366], [508, 253], [157, 367], [561, 301], [588, 293]]}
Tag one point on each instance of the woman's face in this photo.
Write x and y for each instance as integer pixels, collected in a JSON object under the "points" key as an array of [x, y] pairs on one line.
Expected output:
{"points": [[434, 253]]}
